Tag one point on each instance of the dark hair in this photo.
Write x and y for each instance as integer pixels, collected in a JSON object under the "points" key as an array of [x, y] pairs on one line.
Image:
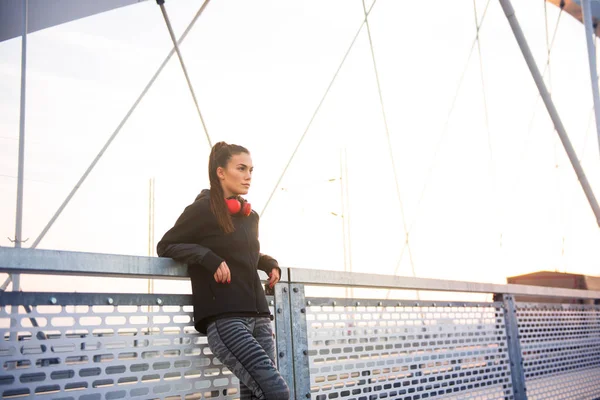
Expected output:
{"points": [[220, 154]]}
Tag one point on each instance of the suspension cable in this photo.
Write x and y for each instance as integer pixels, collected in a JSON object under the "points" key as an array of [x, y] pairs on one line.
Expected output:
{"points": [[387, 134], [548, 45], [444, 130], [161, 3], [493, 169], [314, 114], [559, 193], [485, 106]]}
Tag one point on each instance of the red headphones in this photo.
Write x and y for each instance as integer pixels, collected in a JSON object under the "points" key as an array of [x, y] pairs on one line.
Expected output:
{"points": [[238, 206]]}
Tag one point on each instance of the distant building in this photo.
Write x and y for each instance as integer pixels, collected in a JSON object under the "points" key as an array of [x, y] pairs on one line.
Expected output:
{"points": [[557, 280]]}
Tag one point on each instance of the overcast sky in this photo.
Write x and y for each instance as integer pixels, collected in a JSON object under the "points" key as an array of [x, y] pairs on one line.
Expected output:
{"points": [[487, 192]]}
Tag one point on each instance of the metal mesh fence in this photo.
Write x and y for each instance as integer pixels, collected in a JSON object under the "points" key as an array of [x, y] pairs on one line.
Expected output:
{"points": [[382, 349], [122, 350], [131, 346], [560, 345]]}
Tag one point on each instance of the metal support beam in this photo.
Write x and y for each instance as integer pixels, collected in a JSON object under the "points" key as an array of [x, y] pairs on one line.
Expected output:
{"points": [[558, 125], [514, 346], [586, 8]]}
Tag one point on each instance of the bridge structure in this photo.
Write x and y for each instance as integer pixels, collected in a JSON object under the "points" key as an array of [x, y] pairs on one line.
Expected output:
{"points": [[66, 345]]}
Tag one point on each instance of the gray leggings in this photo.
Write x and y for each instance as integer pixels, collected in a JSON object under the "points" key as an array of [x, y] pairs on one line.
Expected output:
{"points": [[246, 346]]}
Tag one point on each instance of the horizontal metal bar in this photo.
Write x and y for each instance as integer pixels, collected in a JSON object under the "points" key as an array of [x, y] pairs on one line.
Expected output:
{"points": [[94, 299], [355, 279], [57, 262], [51, 262], [370, 303], [556, 306]]}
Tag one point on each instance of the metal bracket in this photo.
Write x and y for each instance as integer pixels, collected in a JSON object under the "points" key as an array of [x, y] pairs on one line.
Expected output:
{"points": [[16, 240]]}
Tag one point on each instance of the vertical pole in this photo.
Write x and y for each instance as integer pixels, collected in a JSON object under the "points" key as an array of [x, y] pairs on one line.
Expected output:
{"points": [[586, 8], [345, 198], [300, 341], [151, 228], [343, 204], [560, 129], [151, 217], [283, 335], [16, 282], [16, 279], [19, 217], [514, 346], [347, 214]]}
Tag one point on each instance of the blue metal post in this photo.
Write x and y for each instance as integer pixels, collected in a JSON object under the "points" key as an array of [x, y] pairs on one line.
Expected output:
{"points": [[283, 335], [300, 342], [514, 347]]}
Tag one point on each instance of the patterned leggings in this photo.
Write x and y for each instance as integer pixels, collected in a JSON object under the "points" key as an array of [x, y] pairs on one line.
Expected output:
{"points": [[246, 347]]}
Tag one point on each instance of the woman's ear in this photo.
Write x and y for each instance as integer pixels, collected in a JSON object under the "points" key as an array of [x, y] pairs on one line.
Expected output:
{"points": [[221, 173]]}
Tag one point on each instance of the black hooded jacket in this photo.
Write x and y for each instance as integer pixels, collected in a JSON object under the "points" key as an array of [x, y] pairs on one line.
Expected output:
{"points": [[197, 240]]}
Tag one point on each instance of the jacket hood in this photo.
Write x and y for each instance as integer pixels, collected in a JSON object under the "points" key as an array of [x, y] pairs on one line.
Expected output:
{"points": [[204, 194]]}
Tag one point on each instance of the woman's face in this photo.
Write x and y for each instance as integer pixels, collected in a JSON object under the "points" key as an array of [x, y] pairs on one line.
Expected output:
{"points": [[236, 176]]}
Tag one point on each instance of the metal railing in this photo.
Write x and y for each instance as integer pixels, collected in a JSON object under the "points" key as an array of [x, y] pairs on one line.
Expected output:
{"points": [[143, 346]]}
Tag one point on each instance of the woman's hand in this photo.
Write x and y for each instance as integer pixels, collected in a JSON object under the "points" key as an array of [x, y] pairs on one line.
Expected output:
{"points": [[273, 277], [223, 274]]}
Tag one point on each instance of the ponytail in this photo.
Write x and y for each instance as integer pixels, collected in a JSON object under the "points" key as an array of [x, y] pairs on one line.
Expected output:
{"points": [[220, 155]]}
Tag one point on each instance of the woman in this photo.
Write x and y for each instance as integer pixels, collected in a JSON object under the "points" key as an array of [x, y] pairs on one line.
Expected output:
{"points": [[217, 236]]}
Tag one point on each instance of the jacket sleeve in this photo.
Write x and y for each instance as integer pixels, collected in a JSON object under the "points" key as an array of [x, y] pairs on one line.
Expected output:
{"points": [[267, 263], [178, 242], [189, 253]]}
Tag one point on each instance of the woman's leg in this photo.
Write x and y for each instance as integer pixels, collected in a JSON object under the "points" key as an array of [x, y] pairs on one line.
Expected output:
{"points": [[231, 341], [245, 392], [263, 333]]}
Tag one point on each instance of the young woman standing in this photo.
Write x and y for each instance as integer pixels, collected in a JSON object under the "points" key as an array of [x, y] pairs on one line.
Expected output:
{"points": [[217, 237]]}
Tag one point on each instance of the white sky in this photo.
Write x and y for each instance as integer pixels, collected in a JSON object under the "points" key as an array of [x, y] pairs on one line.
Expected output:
{"points": [[259, 71]]}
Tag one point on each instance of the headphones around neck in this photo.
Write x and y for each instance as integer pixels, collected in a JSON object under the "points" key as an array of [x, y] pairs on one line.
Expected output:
{"points": [[238, 206]]}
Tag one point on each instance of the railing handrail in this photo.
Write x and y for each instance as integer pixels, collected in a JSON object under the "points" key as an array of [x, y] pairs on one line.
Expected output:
{"points": [[61, 262], [48, 262], [364, 280]]}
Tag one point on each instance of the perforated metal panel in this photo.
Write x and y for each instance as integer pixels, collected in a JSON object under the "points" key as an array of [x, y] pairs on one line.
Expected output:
{"points": [[126, 350], [377, 350], [560, 344]]}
